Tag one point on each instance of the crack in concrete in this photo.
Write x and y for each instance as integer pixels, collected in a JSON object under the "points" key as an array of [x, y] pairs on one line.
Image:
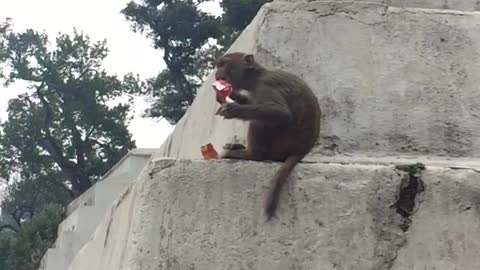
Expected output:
{"points": [[424, 11], [115, 205], [325, 9], [411, 186], [390, 227], [160, 165]]}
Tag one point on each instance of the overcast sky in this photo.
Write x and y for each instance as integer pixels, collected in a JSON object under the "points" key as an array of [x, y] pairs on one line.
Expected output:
{"points": [[100, 19]]}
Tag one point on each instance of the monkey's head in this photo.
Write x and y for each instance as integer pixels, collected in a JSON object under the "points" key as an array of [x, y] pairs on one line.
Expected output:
{"points": [[235, 68]]}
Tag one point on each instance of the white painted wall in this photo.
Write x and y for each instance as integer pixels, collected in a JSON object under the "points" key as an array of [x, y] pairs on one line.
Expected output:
{"points": [[86, 212]]}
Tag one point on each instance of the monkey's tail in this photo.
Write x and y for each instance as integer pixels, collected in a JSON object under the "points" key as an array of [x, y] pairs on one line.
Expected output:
{"points": [[279, 181]]}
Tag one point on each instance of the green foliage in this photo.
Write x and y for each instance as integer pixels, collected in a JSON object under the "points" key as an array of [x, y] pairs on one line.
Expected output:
{"points": [[237, 15], [61, 135], [28, 197], [62, 128], [25, 249], [182, 31], [172, 104]]}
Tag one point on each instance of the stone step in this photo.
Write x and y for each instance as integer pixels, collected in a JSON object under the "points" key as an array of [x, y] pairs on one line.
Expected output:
{"points": [[209, 215]]}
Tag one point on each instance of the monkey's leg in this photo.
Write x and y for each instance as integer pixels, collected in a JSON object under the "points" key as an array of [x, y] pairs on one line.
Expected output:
{"points": [[242, 154], [239, 98], [270, 114], [254, 151], [234, 154], [234, 151], [238, 151]]}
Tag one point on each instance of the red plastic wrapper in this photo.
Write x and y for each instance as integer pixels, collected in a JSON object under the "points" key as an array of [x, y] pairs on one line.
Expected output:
{"points": [[223, 90], [209, 152]]}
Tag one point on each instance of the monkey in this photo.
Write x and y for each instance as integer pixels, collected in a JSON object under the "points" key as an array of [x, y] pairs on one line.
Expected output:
{"points": [[283, 116]]}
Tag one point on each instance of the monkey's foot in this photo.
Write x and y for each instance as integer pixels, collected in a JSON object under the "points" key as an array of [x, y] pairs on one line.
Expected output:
{"points": [[234, 146], [234, 154]]}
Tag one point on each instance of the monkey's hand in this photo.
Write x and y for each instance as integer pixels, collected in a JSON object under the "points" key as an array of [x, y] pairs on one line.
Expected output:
{"points": [[229, 110]]}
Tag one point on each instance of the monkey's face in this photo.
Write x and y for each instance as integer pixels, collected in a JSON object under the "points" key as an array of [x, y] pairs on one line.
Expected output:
{"points": [[233, 68], [223, 69]]}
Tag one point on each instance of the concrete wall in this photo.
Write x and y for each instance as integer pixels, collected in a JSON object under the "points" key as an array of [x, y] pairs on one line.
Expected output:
{"points": [[123, 172], [389, 81], [189, 215], [85, 213]]}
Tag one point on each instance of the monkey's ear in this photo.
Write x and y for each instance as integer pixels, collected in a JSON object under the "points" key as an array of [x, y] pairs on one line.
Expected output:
{"points": [[249, 59]]}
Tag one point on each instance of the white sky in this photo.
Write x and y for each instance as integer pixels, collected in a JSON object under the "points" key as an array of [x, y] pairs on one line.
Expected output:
{"points": [[99, 19]]}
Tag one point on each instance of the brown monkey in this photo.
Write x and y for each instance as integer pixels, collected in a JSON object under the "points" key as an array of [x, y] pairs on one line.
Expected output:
{"points": [[284, 116]]}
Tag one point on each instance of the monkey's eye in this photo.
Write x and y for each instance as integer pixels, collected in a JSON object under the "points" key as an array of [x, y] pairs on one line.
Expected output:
{"points": [[220, 64]]}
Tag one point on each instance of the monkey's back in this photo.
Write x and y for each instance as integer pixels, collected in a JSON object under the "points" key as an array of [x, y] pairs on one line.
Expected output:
{"points": [[304, 107]]}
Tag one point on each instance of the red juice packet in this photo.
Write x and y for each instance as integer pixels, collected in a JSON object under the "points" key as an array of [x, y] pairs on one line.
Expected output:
{"points": [[223, 90]]}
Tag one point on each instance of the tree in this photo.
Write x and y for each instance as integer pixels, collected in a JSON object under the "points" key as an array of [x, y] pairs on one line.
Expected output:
{"points": [[63, 130], [26, 198], [237, 15], [61, 135], [182, 31], [24, 250]]}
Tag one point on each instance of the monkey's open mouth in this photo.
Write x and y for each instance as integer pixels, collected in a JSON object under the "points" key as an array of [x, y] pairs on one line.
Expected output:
{"points": [[223, 90]]}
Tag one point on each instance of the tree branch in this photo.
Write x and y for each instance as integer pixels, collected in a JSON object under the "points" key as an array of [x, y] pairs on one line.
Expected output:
{"points": [[48, 110], [73, 171], [16, 217], [8, 227], [90, 132]]}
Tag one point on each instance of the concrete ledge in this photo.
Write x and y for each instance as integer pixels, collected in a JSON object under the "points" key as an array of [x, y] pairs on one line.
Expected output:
{"points": [[450, 163], [466, 5], [184, 214], [123, 171]]}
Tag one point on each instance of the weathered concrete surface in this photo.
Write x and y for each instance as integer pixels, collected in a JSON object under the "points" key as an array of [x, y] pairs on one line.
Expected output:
{"points": [[466, 5], [389, 80], [207, 215], [396, 85]]}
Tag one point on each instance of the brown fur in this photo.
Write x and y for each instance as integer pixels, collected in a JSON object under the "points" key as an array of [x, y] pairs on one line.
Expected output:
{"points": [[284, 116]]}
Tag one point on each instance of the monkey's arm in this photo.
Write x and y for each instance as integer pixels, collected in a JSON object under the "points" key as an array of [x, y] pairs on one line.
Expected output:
{"points": [[239, 98], [269, 112]]}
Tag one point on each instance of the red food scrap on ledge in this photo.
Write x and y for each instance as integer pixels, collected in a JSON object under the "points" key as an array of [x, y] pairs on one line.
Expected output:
{"points": [[209, 152]]}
